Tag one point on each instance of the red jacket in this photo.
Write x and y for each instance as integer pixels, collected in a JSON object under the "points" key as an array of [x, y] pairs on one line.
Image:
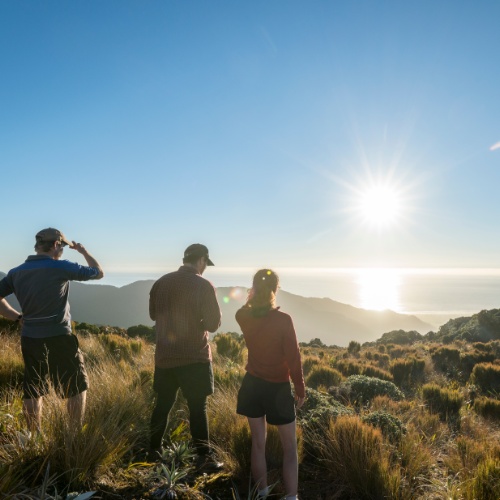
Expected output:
{"points": [[273, 351]]}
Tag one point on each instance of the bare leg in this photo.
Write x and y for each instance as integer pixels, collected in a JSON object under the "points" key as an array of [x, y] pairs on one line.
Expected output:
{"points": [[290, 460], [76, 409], [258, 456], [32, 409]]}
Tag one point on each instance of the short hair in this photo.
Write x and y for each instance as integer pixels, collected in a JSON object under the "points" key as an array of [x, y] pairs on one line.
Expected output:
{"points": [[44, 246]]}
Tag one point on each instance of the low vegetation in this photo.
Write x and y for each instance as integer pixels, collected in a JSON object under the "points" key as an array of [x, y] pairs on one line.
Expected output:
{"points": [[406, 417]]}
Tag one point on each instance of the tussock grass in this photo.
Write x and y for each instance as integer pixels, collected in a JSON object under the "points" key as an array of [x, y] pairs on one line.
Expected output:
{"points": [[341, 457], [323, 376], [352, 456], [445, 402]]}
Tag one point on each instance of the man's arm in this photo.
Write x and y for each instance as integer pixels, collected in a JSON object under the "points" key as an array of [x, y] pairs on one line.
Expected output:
{"points": [[210, 309], [7, 311], [90, 260]]}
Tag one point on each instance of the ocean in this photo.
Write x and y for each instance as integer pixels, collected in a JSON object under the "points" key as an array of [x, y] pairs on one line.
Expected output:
{"points": [[434, 295]]}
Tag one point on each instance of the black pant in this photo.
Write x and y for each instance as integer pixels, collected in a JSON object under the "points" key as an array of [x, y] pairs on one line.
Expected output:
{"points": [[196, 383]]}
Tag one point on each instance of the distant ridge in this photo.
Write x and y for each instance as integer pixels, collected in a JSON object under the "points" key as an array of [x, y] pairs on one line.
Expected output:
{"points": [[333, 322]]}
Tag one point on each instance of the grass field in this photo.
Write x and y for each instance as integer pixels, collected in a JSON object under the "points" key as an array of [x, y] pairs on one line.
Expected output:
{"points": [[416, 420]]}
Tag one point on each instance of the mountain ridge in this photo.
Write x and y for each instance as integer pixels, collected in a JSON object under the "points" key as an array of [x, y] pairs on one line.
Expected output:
{"points": [[335, 323]]}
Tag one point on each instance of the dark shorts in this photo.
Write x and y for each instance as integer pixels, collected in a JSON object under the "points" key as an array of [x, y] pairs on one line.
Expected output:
{"points": [[195, 380], [258, 398], [55, 360]]}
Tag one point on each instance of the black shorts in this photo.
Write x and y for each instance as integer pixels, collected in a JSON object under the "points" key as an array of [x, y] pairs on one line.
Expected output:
{"points": [[195, 380], [258, 398], [55, 359]]}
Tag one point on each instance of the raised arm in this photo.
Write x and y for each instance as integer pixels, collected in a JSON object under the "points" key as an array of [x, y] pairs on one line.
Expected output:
{"points": [[91, 262]]}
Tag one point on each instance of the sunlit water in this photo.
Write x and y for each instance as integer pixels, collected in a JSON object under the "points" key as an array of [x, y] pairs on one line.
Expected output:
{"points": [[431, 294]]}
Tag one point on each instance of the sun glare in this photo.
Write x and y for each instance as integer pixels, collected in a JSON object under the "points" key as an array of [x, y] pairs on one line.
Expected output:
{"points": [[379, 289], [379, 206]]}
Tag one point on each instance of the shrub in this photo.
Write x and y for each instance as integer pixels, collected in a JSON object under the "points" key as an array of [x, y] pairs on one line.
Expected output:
{"points": [[142, 331], [400, 337], [446, 359], [391, 427], [348, 367], [361, 389], [323, 376], [86, 327], [373, 371], [486, 376], [382, 359], [319, 408], [353, 347], [486, 483], [487, 408], [470, 359], [407, 371], [308, 362], [228, 347], [445, 402]]}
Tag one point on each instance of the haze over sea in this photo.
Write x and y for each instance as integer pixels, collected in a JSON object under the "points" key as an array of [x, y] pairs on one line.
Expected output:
{"points": [[434, 295]]}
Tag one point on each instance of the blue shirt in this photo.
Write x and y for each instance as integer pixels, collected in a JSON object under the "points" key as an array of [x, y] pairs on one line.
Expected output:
{"points": [[41, 286]]}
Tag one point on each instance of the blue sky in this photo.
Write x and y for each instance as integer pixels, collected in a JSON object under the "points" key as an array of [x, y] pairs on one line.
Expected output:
{"points": [[139, 127]]}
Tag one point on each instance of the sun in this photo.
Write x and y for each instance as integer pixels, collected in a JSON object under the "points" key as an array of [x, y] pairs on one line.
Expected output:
{"points": [[379, 205]]}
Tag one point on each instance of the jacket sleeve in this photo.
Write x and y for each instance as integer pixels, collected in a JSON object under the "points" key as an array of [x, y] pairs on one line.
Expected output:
{"points": [[152, 303], [292, 357], [210, 310]]}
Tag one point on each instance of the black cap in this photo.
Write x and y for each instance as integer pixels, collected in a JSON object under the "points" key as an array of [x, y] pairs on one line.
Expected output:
{"points": [[197, 250]]}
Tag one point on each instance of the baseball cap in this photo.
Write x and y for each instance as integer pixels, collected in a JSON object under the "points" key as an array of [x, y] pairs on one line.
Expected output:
{"points": [[51, 234], [198, 250]]}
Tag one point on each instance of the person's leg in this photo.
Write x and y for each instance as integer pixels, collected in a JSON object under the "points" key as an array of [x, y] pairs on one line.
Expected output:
{"points": [[290, 460], [197, 383], [198, 423], [32, 409], [258, 454], [76, 409], [166, 386]]}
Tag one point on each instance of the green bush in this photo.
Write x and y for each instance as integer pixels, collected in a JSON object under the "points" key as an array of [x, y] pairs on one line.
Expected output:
{"points": [[486, 376], [445, 402], [142, 331], [86, 327], [319, 408], [323, 376], [400, 337], [362, 389], [391, 427], [487, 408]]}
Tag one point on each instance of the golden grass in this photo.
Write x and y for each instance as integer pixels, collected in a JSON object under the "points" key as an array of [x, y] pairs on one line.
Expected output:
{"points": [[345, 459]]}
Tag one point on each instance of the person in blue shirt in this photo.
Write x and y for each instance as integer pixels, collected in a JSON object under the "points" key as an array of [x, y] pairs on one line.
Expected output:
{"points": [[50, 350]]}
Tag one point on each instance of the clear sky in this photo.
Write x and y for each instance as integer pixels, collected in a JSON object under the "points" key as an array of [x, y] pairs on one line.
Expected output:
{"points": [[278, 133]]}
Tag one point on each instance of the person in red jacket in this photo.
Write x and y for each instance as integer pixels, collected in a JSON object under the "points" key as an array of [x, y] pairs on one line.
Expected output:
{"points": [[265, 393]]}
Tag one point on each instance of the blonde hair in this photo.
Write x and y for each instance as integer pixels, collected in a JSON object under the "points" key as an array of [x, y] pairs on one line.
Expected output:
{"points": [[262, 295]]}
